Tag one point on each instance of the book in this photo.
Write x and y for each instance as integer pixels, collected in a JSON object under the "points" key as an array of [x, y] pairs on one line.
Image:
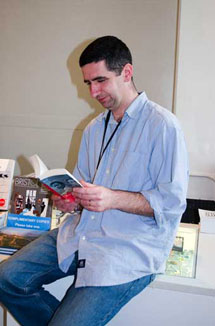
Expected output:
{"points": [[30, 198], [29, 215], [13, 238], [6, 178], [58, 181]]}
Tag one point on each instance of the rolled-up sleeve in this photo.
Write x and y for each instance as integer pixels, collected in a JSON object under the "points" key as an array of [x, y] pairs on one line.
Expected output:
{"points": [[168, 170]]}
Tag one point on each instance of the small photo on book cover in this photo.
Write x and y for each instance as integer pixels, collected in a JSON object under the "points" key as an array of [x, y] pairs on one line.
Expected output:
{"points": [[61, 184], [13, 239], [58, 181]]}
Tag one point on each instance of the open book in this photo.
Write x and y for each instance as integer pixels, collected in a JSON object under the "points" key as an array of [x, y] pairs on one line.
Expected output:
{"points": [[58, 181]]}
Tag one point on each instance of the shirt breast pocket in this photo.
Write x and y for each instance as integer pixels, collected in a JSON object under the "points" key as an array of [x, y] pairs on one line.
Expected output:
{"points": [[132, 171]]}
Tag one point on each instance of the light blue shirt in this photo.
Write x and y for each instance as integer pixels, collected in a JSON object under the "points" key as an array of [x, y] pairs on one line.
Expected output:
{"points": [[147, 155]]}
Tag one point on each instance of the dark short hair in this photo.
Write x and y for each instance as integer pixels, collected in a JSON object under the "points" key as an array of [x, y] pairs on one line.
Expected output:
{"points": [[109, 48]]}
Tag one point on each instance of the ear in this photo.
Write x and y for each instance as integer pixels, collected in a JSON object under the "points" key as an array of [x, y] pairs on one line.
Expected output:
{"points": [[128, 72]]}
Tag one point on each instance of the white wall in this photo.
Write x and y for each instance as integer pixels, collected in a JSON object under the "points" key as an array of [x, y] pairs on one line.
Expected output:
{"points": [[195, 100], [44, 104]]}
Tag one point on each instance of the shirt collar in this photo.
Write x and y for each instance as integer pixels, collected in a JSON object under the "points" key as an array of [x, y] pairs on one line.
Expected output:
{"points": [[133, 108], [136, 105]]}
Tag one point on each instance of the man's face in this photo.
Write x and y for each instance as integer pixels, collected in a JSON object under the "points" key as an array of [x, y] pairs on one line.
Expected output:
{"points": [[104, 85]]}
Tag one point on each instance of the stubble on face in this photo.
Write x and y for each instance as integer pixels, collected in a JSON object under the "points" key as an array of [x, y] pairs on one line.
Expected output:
{"points": [[107, 87]]}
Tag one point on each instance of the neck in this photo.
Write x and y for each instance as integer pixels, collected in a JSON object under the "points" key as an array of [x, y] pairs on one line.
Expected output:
{"points": [[118, 118], [119, 113]]}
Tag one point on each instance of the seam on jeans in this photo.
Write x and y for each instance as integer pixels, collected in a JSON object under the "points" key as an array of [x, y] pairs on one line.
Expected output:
{"points": [[121, 299], [118, 304], [45, 303], [34, 277], [37, 275], [29, 281]]}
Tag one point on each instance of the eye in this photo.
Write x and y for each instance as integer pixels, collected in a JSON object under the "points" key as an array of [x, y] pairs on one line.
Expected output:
{"points": [[101, 80]]}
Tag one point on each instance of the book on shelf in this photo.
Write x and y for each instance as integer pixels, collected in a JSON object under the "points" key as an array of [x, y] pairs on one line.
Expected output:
{"points": [[30, 198], [14, 238], [29, 215], [6, 178], [58, 181]]}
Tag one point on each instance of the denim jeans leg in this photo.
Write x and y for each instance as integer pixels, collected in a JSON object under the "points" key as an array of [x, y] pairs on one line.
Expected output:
{"points": [[96, 306], [22, 277]]}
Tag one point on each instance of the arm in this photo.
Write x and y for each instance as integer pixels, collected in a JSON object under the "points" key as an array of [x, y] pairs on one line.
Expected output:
{"points": [[166, 199], [98, 199], [168, 168]]}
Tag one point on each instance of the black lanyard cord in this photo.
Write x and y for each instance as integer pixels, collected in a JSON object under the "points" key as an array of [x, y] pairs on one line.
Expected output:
{"points": [[103, 138]]}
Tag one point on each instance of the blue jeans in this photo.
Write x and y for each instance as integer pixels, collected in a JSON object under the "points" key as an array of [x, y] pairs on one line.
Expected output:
{"points": [[23, 275]]}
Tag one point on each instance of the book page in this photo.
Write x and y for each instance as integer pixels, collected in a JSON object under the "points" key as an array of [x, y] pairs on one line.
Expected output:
{"points": [[38, 165]]}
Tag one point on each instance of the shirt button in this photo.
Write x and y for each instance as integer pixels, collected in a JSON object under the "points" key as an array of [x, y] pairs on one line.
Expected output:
{"points": [[112, 149], [92, 217], [83, 238], [107, 171]]}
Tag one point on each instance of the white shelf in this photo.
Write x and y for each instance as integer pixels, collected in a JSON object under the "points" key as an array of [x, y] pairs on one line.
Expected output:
{"points": [[183, 284]]}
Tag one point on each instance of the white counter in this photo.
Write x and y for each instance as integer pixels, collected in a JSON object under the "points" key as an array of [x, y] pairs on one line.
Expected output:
{"points": [[175, 297]]}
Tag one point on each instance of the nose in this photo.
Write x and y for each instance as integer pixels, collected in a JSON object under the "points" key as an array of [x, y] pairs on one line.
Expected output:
{"points": [[94, 90]]}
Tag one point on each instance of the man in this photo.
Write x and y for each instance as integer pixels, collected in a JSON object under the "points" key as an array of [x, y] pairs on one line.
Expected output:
{"points": [[133, 167]]}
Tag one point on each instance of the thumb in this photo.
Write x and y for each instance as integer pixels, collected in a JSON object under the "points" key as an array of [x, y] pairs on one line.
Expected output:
{"points": [[86, 184]]}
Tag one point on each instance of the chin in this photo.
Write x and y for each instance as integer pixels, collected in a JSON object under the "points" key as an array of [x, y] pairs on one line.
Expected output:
{"points": [[105, 105]]}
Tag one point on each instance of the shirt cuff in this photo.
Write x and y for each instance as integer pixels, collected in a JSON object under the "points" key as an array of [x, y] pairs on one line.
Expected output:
{"points": [[155, 200]]}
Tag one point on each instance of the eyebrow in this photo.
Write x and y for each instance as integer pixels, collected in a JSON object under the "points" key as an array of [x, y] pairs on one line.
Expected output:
{"points": [[94, 79]]}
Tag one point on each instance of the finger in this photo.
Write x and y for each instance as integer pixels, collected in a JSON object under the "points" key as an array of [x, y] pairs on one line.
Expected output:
{"points": [[65, 205], [57, 202], [56, 197], [84, 190], [86, 195], [88, 204]]}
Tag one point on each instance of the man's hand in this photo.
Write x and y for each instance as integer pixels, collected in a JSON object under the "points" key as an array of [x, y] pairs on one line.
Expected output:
{"points": [[64, 205], [94, 198], [98, 199]]}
